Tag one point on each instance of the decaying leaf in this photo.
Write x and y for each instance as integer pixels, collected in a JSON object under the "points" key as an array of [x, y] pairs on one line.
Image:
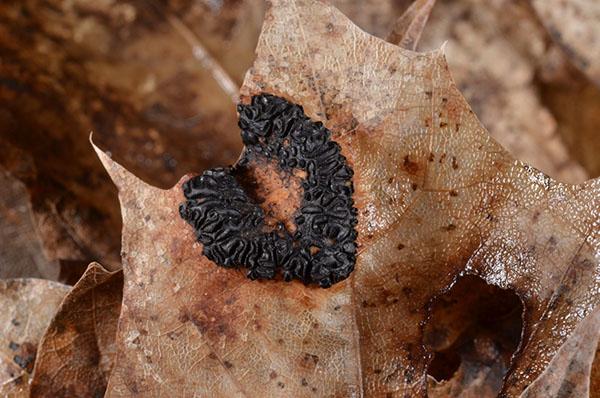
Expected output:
{"points": [[124, 72], [27, 308], [574, 102], [407, 30], [493, 49], [226, 29], [437, 197], [23, 257], [374, 16], [575, 26], [568, 374], [76, 353]]}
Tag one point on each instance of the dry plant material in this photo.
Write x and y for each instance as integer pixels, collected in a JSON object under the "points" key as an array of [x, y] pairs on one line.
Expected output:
{"points": [[575, 26], [76, 353], [568, 374], [27, 308], [493, 49], [574, 102], [21, 255], [437, 198], [374, 16], [406, 31], [120, 70]]}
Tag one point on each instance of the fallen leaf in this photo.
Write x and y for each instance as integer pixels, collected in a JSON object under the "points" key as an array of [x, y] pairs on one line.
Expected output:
{"points": [[437, 198], [27, 308], [374, 16], [120, 70], [574, 102], [23, 257], [227, 29], [493, 49], [575, 26], [568, 374], [76, 353], [406, 31]]}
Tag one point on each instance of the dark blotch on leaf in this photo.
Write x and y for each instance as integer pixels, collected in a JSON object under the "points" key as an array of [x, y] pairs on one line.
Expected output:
{"points": [[231, 226]]}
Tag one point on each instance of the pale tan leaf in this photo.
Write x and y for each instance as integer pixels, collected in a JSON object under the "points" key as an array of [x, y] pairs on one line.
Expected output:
{"points": [[27, 306], [373, 16], [493, 49], [575, 26], [406, 31], [23, 257], [568, 373]]}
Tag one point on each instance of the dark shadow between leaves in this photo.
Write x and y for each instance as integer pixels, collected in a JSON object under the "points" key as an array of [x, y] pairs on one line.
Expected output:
{"points": [[473, 331]]}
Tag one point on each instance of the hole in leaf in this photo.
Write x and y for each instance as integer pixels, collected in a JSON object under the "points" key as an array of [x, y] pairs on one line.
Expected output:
{"points": [[473, 331]]}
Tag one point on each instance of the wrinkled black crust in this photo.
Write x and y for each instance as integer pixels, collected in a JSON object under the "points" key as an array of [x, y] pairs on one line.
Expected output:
{"points": [[231, 226]]}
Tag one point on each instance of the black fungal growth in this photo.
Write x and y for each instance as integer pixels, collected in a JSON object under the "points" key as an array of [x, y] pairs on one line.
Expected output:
{"points": [[231, 226]]}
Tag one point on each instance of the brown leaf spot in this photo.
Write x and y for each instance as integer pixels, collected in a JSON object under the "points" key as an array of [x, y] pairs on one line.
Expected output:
{"points": [[454, 163], [409, 166], [309, 361], [450, 227]]}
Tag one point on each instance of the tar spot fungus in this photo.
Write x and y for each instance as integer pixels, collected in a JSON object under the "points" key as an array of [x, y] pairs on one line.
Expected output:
{"points": [[320, 245]]}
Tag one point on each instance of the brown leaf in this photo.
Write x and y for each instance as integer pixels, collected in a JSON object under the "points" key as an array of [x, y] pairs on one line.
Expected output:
{"points": [[122, 71], [575, 26], [568, 374], [374, 16], [76, 353], [437, 198], [27, 308], [574, 103], [23, 257], [227, 29], [497, 74], [406, 31]]}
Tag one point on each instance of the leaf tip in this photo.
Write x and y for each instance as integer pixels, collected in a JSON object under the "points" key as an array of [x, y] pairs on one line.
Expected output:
{"points": [[119, 174]]}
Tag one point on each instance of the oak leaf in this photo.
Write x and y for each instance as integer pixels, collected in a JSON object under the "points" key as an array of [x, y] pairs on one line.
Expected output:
{"points": [[438, 199], [498, 74]]}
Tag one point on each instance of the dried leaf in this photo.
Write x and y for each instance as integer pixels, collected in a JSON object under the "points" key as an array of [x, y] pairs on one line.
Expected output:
{"points": [[494, 49], [575, 26], [574, 103], [27, 308], [76, 353], [568, 374], [407, 30], [437, 197], [227, 29], [374, 16], [23, 257], [122, 71]]}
